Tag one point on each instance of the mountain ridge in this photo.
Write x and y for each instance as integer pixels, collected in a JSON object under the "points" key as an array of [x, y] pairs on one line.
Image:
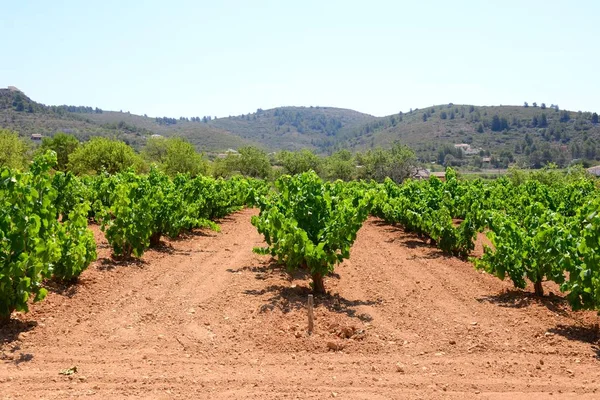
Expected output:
{"points": [[534, 135]]}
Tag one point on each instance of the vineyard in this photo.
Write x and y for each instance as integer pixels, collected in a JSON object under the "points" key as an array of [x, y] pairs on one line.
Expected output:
{"points": [[45, 219], [542, 229]]}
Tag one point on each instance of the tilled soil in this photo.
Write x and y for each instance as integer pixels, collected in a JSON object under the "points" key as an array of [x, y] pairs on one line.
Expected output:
{"points": [[204, 317]]}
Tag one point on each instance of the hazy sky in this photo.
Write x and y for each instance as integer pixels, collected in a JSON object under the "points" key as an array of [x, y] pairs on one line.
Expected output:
{"points": [[194, 58]]}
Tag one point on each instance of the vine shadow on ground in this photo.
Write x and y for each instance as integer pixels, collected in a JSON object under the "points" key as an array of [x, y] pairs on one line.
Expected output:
{"points": [[262, 272], [167, 248], [272, 266], [10, 331], [292, 298], [516, 298], [109, 263], [411, 240], [580, 333], [67, 289], [198, 232]]}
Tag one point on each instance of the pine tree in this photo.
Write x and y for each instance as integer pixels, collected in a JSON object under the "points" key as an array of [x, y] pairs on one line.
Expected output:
{"points": [[496, 124]]}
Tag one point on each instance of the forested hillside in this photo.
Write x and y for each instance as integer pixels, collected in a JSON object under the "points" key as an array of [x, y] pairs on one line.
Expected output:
{"points": [[530, 135], [293, 128]]}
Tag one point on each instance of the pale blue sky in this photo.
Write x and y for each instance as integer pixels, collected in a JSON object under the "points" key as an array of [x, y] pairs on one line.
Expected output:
{"points": [[194, 58]]}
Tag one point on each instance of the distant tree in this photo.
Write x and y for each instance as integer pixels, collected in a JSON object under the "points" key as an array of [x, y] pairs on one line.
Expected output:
{"points": [[18, 103], [425, 117], [174, 156], [507, 156], [451, 114], [251, 161], [496, 124], [299, 161], [339, 165], [534, 104], [564, 116], [181, 157], [449, 160], [443, 115], [594, 118], [165, 121], [543, 106], [543, 121], [13, 150], [102, 154], [155, 150], [534, 121], [471, 109], [526, 105], [480, 128], [64, 145], [397, 163]]}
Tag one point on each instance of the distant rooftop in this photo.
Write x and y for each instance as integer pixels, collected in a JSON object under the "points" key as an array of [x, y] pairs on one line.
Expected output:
{"points": [[594, 170]]}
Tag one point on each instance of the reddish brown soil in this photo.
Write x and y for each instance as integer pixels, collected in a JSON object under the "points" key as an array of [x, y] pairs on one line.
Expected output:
{"points": [[204, 317]]}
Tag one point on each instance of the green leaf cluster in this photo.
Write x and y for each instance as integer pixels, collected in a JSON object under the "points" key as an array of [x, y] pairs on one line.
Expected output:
{"points": [[135, 211], [34, 244], [310, 224]]}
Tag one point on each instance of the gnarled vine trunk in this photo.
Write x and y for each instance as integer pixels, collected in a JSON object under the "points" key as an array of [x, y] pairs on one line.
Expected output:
{"points": [[5, 319], [318, 284], [155, 239], [539, 289]]}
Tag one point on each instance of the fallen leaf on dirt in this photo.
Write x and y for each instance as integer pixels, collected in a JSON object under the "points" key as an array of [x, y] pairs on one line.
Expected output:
{"points": [[69, 371]]}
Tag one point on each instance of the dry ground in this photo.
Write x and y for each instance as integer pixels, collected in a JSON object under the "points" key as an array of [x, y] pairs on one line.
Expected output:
{"points": [[204, 317]]}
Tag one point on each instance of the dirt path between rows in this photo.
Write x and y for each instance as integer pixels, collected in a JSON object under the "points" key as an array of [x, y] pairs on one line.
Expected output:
{"points": [[204, 317]]}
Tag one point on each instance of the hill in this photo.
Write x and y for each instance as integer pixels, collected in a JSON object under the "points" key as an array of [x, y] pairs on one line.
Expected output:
{"points": [[531, 135], [491, 136], [294, 128], [20, 113], [204, 136], [290, 128]]}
